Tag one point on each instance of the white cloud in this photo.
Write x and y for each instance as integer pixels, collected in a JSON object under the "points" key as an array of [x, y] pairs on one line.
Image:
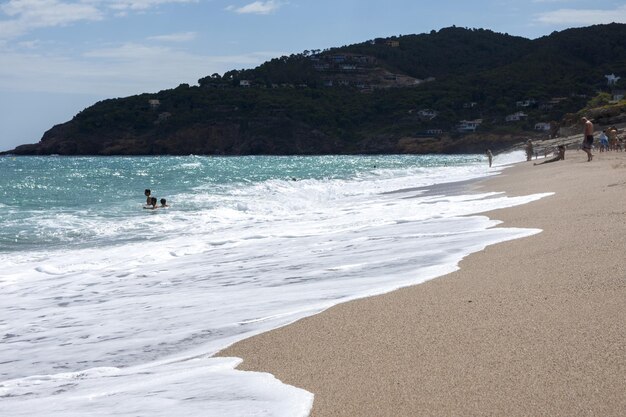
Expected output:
{"points": [[130, 52], [142, 4], [34, 44], [26, 15], [117, 71], [258, 7], [175, 37], [582, 17]]}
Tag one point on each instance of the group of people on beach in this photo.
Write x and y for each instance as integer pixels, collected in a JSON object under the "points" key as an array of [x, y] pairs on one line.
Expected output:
{"points": [[529, 152], [609, 141], [560, 155], [587, 143], [151, 202]]}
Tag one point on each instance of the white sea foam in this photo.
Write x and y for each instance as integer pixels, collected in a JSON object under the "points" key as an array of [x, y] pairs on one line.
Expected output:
{"points": [[127, 326]]}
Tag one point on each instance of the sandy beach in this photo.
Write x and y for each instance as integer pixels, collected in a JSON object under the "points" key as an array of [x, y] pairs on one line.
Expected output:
{"points": [[529, 327]]}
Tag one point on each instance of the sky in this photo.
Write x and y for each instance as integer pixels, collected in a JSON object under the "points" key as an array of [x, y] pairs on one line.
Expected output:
{"points": [[58, 57]]}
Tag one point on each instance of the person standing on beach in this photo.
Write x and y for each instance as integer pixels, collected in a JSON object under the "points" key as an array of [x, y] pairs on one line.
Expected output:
{"points": [[588, 134], [490, 157], [604, 142], [612, 135], [529, 150]]}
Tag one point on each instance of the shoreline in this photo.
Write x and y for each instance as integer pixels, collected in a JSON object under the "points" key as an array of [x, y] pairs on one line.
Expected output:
{"points": [[530, 326]]}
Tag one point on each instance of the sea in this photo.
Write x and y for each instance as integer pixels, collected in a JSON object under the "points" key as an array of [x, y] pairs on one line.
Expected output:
{"points": [[111, 309]]}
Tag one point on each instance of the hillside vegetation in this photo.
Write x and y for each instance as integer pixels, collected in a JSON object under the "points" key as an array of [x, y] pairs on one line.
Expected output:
{"points": [[452, 90]]}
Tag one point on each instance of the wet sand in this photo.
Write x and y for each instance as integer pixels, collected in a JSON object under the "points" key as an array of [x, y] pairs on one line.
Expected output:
{"points": [[529, 327]]}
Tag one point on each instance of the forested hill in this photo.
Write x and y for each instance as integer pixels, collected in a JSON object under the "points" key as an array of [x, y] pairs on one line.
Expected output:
{"points": [[452, 90]]}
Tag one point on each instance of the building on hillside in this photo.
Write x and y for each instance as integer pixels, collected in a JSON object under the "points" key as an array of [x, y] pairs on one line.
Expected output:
{"points": [[434, 132], [338, 58], [154, 104], [516, 117], [557, 100], [427, 114], [470, 105], [525, 103], [363, 59], [612, 79], [407, 81], [542, 127], [164, 116], [466, 126], [392, 43], [245, 83]]}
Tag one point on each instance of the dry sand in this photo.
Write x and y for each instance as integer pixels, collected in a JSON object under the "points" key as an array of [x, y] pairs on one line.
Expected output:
{"points": [[529, 327]]}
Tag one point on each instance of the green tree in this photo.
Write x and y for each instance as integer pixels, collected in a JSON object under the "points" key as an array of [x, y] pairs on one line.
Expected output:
{"points": [[602, 99]]}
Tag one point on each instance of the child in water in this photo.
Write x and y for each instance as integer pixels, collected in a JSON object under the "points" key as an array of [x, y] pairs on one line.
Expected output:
{"points": [[164, 203], [152, 204], [147, 194]]}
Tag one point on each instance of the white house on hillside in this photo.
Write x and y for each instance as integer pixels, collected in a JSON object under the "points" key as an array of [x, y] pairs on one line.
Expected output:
{"points": [[466, 126], [611, 79], [516, 117], [427, 114], [543, 126]]}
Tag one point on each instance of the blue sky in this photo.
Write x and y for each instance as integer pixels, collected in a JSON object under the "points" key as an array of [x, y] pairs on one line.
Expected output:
{"points": [[60, 56]]}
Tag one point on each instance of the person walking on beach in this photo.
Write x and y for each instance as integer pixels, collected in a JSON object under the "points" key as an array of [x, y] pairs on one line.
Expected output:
{"points": [[588, 134], [490, 157]]}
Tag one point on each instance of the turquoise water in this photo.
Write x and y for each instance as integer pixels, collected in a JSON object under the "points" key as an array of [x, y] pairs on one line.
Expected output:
{"points": [[40, 196]]}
